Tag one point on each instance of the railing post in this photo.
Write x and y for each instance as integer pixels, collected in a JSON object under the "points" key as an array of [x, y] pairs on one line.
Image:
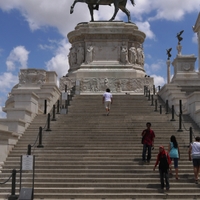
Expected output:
{"points": [[54, 113], [180, 123], [58, 107], [172, 114], [167, 107], [13, 196], [149, 95], [144, 90], [29, 150], [154, 89], [45, 106], [152, 100], [40, 138], [190, 135], [156, 105], [160, 109], [48, 122], [68, 100], [180, 106]]}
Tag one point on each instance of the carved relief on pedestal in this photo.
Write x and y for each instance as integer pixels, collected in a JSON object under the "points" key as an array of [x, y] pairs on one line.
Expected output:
{"points": [[89, 53], [140, 56], [116, 85], [132, 54], [124, 54], [29, 77], [80, 54]]}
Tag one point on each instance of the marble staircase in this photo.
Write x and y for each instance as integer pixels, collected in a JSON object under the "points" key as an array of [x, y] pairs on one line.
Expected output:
{"points": [[89, 155]]}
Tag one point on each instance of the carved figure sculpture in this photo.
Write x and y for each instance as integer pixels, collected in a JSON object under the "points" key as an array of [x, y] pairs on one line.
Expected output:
{"points": [[140, 56], [94, 4], [132, 55], [179, 36], [124, 54], [89, 54], [72, 57], [168, 53], [80, 55]]}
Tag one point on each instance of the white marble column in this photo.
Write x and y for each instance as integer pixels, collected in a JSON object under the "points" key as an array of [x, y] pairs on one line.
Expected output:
{"points": [[168, 70], [179, 48]]}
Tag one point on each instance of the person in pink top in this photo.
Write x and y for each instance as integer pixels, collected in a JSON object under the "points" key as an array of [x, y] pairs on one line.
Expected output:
{"points": [[107, 100], [164, 162]]}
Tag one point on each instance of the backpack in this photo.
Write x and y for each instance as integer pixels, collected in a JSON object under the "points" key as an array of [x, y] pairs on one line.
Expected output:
{"points": [[163, 165]]}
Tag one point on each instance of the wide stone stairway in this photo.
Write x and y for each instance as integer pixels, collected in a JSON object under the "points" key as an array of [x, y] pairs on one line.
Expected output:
{"points": [[89, 155]]}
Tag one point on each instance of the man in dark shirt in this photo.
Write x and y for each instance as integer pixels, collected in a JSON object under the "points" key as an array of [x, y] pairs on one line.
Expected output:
{"points": [[148, 142]]}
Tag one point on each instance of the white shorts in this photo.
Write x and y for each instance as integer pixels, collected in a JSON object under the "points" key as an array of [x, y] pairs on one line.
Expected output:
{"points": [[107, 104]]}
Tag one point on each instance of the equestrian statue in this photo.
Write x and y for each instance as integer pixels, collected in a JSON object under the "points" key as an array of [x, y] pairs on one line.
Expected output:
{"points": [[94, 5]]}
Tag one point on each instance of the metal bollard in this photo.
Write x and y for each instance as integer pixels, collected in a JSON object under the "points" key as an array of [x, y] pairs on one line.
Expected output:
{"points": [[180, 106], [54, 113], [160, 109], [156, 105], [40, 138], [180, 123], [58, 107], [154, 89], [152, 100], [13, 196], [45, 107], [167, 107], [190, 135], [48, 122], [29, 150], [149, 95], [172, 114]]}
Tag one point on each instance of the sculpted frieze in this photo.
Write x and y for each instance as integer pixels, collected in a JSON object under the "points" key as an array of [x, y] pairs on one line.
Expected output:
{"points": [[135, 85], [32, 77]]}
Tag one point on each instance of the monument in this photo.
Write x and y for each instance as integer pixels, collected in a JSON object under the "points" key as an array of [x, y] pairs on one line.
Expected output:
{"points": [[106, 54]]}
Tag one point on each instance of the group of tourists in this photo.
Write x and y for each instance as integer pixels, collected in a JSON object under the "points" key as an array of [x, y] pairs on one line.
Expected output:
{"points": [[165, 158]]}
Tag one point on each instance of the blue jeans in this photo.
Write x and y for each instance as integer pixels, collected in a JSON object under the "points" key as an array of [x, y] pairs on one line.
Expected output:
{"points": [[145, 148], [164, 175]]}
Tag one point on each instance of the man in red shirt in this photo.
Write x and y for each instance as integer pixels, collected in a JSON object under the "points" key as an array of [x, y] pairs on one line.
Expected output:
{"points": [[148, 142]]}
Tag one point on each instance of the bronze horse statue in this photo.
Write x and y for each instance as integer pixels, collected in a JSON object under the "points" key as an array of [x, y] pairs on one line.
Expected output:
{"points": [[94, 4]]}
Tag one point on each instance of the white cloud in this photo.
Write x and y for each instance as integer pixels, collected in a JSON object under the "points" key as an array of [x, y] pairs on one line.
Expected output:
{"points": [[17, 59], [155, 67], [158, 80], [44, 13], [166, 9], [195, 38], [7, 80], [59, 62], [145, 27]]}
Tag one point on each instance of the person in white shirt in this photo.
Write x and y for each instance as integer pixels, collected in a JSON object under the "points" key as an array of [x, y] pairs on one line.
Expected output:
{"points": [[107, 100], [194, 155]]}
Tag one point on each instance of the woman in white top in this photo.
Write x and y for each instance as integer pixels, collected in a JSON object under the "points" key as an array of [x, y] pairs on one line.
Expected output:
{"points": [[194, 155]]}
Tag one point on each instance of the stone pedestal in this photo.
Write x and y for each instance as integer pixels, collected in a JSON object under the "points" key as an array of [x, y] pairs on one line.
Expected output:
{"points": [[184, 71], [106, 54]]}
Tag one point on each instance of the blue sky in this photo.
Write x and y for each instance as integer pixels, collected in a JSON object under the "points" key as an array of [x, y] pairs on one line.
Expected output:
{"points": [[33, 34]]}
